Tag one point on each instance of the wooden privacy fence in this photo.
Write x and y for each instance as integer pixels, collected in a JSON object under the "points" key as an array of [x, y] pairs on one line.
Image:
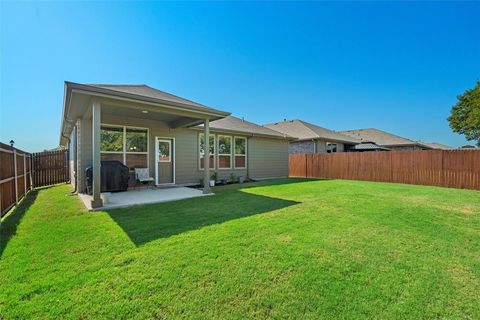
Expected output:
{"points": [[15, 176], [50, 167], [445, 168], [20, 171]]}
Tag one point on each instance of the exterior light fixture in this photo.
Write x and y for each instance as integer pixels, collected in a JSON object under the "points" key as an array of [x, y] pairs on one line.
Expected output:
{"points": [[12, 143]]}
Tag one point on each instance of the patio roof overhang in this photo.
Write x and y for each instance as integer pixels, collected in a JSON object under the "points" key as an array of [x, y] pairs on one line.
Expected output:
{"points": [[78, 100]]}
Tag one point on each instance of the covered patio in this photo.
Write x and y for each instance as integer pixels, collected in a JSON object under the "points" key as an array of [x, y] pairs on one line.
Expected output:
{"points": [[132, 111], [135, 197]]}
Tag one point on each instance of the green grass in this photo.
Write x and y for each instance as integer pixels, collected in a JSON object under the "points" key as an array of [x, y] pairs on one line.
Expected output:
{"points": [[276, 249]]}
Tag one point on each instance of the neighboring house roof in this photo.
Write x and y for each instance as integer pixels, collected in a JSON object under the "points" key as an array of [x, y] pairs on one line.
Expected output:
{"points": [[234, 124], [436, 145], [382, 138], [306, 131], [368, 146]]}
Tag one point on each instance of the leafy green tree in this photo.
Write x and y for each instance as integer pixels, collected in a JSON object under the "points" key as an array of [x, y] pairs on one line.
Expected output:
{"points": [[465, 115]]}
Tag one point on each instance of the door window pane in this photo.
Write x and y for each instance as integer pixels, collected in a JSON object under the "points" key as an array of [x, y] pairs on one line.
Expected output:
{"points": [[164, 152]]}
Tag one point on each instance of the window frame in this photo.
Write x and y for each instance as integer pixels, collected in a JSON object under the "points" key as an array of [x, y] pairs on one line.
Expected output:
{"points": [[124, 137], [330, 147], [240, 155], [224, 154], [199, 145], [125, 140]]}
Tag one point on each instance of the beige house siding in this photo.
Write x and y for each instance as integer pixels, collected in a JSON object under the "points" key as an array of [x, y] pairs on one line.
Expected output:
{"points": [[84, 146], [72, 146], [267, 158], [317, 146], [321, 146], [340, 147]]}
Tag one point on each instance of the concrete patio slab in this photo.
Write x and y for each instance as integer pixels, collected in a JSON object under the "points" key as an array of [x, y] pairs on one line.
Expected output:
{"points": [[142, 196]]}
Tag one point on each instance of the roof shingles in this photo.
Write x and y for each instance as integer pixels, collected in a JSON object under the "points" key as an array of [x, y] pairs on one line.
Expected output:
{"points": [[379, 137], [303, 130], [143, 90], [235, 124]]}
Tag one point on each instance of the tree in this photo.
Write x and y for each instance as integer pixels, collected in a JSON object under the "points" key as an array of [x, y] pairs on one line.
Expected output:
{"points": [[465, 115]]}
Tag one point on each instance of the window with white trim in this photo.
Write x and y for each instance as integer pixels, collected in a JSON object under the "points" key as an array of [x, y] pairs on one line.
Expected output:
{"points": [[224, 152], [201, 143], [331, 147], [128, 145], [240, 150]]}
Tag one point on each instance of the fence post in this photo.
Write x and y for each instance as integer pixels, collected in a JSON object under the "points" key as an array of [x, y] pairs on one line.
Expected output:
{"points": [[15, 175], [24, 174], [442, 172], [306, 169], [31, 170]]}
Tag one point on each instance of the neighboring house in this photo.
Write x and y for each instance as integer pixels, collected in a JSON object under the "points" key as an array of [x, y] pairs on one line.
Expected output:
{"points": [[365, 146], [147, 128], [386, 139], [438, 146], [310, 138]]}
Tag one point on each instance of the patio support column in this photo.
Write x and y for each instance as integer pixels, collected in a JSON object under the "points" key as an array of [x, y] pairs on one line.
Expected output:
{"points": [[206, 158], [96, 114]]}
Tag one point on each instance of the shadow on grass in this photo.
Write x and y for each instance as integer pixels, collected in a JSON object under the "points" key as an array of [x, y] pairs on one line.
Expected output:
{"points": [[10, 223], [150, 222], [265, 183]]}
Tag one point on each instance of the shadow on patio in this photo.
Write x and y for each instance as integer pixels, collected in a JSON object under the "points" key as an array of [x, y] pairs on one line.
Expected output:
{"points": [[150, 222]]}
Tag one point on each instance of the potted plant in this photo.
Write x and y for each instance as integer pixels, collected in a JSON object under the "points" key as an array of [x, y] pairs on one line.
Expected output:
{"points": [[213, 178]]}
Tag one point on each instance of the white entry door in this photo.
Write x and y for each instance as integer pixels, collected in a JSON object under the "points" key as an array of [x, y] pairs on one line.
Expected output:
{"points": [[164, 160]]}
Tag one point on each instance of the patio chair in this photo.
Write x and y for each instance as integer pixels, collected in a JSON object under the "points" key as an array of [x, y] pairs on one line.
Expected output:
{"points": [[142, 176]]}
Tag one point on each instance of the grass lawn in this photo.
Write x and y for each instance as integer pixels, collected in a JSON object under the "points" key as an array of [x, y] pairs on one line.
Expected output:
{"points": [[280, 249]]}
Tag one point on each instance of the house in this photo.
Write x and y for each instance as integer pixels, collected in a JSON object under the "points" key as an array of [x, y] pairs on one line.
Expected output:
{"points": [[310, 138], [386, 139], [438, 146], [143, 127], [365, 146]]}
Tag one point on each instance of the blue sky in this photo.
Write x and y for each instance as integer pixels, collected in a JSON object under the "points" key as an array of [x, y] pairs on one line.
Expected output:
{"points": [[393, 66]]}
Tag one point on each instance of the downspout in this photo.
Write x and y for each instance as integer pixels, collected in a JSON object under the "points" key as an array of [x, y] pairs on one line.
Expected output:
{"points": [[74, 171], [248, 157], [314, 146]]}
